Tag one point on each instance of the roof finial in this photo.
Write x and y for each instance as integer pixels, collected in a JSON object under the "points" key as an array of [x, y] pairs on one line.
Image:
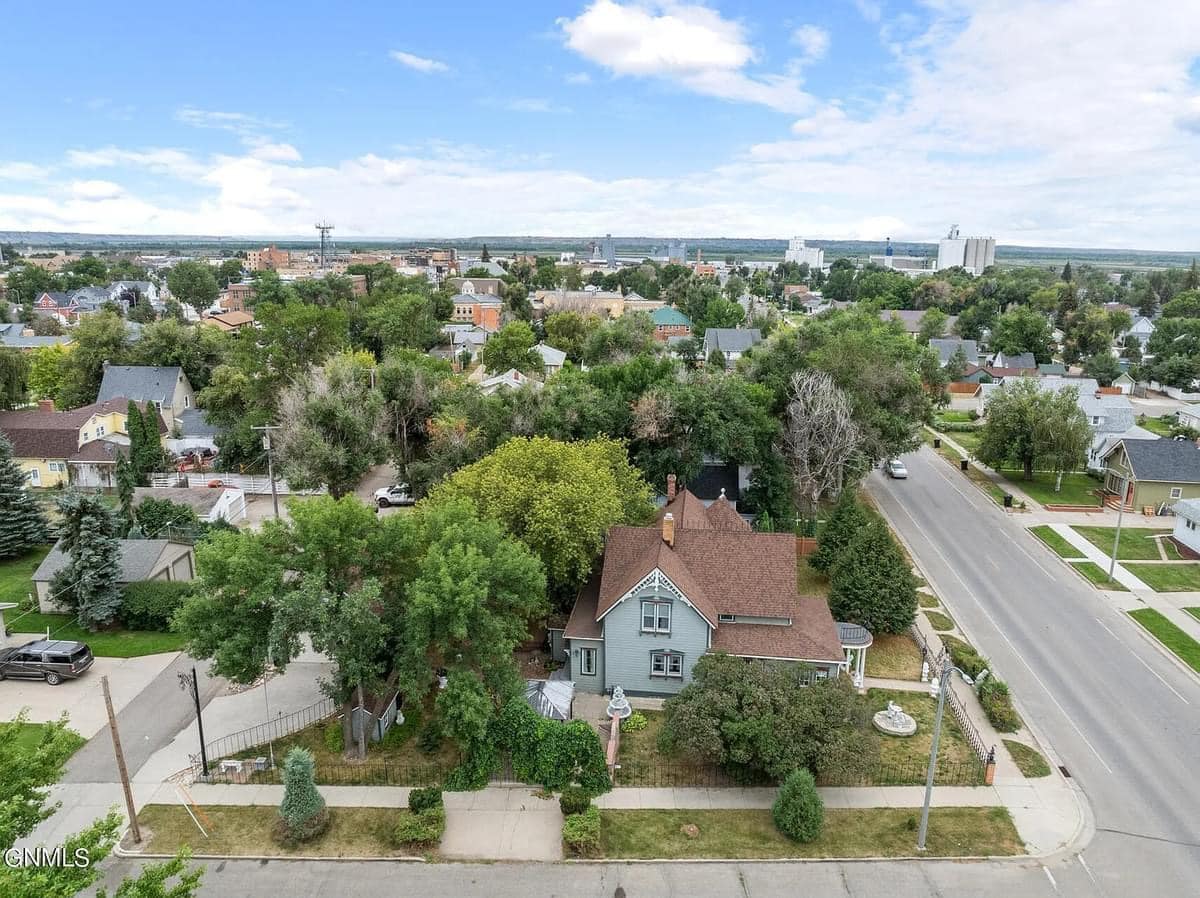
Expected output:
{"points": [[722, 496]]}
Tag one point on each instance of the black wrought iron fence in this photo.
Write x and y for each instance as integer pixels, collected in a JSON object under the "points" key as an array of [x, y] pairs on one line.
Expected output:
{"points": [[371, 773], [909, 773], [268, 731], [982, 751]]}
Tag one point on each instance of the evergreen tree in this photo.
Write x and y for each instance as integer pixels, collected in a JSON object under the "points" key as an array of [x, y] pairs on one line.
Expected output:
{"points": [[848, 517], [1066, 272], [302, 815], [145, 445], [126, 478], [1191, 280], [871, 583], [88, 582], [22, 524], [484, 255]]}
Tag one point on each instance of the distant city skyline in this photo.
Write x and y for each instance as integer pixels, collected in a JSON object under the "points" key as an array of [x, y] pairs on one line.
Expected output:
{"points": [[1052, 123]]}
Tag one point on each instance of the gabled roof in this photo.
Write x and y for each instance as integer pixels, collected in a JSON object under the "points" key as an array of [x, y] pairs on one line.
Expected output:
{"points": [[946, 348], [551, 357], [1188, 509], [911, 319], [1162, 460], [138, 558], [669, 316], [731, 339], [35, 433], [144, 383], [11, 335], [60, 299]]}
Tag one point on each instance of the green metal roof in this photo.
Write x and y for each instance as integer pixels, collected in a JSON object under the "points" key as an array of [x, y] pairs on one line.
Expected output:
{"points": [[669, 315]]}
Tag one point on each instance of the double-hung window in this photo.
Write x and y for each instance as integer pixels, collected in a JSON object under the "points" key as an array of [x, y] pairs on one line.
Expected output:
{"points": [[1176, 492], [587, 662], [666, 664], [656, 617]]}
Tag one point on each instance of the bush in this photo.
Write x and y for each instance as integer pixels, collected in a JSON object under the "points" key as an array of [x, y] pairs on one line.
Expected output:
{"points": [[798, 811], [291, 836], [426, 799], [150, 605], [550, 752], [334, 738], [634, 723], [848, 517], [964, 657], [581, 833], [871, 582], [574, 800], [420, 830], [430, 740], [997, 705], [973, 414], [302, 815]]}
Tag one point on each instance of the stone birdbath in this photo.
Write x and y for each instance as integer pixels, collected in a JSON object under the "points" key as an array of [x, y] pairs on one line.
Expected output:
{"points": [[892, 721]]}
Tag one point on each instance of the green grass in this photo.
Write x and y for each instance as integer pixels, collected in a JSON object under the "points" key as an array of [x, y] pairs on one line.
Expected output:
{"points": [[927, 601], [1183, 577], [353, 832], [1055, 541], [1186, 648], [1077, 488], [894, 657], [642, 764], [1194, 612], [810, 581], [16, 575], [913, 751], [115, 643], [1160, 426], [968, 439], [1137, 543], [871, 832], [940, 622], [29, 735], [952, 417], [1097, 574], [1171, 550], [1028, 760]]}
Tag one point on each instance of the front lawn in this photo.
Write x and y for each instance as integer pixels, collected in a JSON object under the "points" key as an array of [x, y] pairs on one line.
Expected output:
{"points": [[642, 764], [16, 575], [1098, 575], [1161, 426], [1077, 488], [1137, 543], [353, 832], [115, 643], [1183, 577], [810, 581], [968, 439], [1056, 542], [29, 735], [904, 760], [869, 832], [1179, 642], [1028, 760], [940, 622], [948, 416], [894, 656]]}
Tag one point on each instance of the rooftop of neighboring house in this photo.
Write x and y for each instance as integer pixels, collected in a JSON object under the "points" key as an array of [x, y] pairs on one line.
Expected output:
{"points": [[138, 558], [512, 379], [669, 316], [1162, 460], [201, 499], [192, 423], [911, 319], [1046, 368], [551, 357], [1188, 509], [1020, 360], [947, 347], [721, 567], [483, 299], [149, 383], [14, 337], [731, 339], [45, 433], [229, 321]]}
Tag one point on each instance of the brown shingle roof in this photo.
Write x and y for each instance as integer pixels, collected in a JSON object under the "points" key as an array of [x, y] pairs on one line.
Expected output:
{"points": [[35, 433], [811, 637], [689, 511], [98, 452], [582, 623], [723, 516]]}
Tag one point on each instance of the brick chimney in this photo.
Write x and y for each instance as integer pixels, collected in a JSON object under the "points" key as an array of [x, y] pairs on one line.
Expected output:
{"points": [[669, 529], [670, 487], [46, 405]]}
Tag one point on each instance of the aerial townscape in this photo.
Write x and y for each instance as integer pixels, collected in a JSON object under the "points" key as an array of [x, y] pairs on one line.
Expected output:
{"points": [[484, 503]]}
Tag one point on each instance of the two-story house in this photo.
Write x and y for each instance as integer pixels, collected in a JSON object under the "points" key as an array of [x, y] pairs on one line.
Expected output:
{"points": [[698, 581], [80, 446], [731, 342], [166, 388]]}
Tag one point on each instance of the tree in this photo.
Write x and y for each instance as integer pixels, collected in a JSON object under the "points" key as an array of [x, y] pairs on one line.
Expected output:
{"points": [[22, 524], [88, 582], [14, 378], [404, 321], [569, 331], [798, 811], [559, 499], [821, 440], [616, 341], [933, 325], [484, 255], [193, 283], [1022, 330], [197, 349], [47, 372], [228, 272], [848, 518], [757, 721], [412, 385], [1066, 272], [98, 339], [126, 479], [511, 347], [871, 584], [330, 428], [302, 814], [1104, 367], [1186, 304], [1062, 434], [956, 367], [146, 453]]}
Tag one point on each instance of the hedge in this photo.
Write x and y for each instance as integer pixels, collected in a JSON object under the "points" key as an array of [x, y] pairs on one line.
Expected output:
{"points": [[427, 799], [149, 605], [997, 704], [550, 752], [964, 657], [581, 833], [574, 800], [422, 829], [798, 811]]}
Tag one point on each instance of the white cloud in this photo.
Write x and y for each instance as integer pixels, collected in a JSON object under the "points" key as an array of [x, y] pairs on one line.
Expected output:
{"points": [[871, 10], [22, 171], [812, 40], [418, 63], [578, 78], [693, 46], [96, 190], [533, 104], [237, 122]]}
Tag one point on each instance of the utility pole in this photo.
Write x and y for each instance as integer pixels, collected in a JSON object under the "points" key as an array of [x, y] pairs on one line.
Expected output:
{"points": [[948, 670], [1112, 563], [266, 429], [121, 768], [190, 681]]}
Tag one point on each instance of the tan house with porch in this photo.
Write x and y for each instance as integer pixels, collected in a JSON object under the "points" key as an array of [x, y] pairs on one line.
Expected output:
{"points": [[1151, 475]]}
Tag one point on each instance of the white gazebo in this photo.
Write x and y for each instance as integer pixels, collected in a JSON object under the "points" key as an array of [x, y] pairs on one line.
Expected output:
{"points": [[855, 642]]}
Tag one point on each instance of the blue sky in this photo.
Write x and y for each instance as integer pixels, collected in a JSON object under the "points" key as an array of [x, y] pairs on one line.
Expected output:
{"points": [[1065, 122]]}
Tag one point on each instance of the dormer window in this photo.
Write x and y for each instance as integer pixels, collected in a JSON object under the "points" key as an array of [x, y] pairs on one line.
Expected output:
{"points": [[656, 617]]}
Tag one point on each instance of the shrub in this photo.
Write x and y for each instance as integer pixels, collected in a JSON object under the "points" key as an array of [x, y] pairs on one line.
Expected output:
{"points": [[151, 604], [420, 830], [964, 657], [430, 740], [798, 810], [634, 723], [997, 705], [848, 517], [302, 815], [581, 833], [426, 799], [550, 752], [334, 738], [871, 582], [973, 414], [574, 800]]}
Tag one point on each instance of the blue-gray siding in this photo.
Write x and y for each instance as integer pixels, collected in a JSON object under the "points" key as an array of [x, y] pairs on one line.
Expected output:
{"points": [[586, 682], [628, 649]]}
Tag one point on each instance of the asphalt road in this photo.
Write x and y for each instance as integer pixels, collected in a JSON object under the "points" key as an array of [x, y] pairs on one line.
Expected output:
{"points": [[1121, 716]]}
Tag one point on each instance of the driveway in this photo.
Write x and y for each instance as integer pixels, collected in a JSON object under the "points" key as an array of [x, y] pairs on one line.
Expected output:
{"points": [[83, 699], [502, 825], [379, 476], [1107, 704]]}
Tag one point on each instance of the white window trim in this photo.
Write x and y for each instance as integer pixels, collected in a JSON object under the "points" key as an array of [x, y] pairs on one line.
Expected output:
{"points": [[656, 614], [1176, 492], [584, 654], [669, 660]]}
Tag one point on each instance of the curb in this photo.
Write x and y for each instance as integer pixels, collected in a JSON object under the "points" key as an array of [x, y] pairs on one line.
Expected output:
{"points": [[1154, 640]]}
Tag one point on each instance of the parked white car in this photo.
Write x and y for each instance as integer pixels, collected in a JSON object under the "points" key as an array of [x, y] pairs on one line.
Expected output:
{"points": [[396, 494]]}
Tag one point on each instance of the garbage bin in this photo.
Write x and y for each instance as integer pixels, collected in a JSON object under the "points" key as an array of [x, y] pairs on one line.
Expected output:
{"points": [[1007, 500], [937, 443], [965, 465]]}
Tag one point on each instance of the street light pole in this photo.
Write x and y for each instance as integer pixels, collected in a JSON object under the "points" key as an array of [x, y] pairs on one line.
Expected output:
{"points": [[943, 685], [1117, 539]]}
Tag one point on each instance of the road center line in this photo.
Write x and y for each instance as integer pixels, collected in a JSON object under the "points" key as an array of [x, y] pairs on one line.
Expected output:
{"points": [[1142, 662], [1003, 635]]}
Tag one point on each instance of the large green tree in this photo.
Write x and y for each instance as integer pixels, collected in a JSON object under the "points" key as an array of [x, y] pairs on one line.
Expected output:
{"points": [[404, 321], [197, 349], [87, 583], [22, 524], [511, 347], [1022, 330], [98, 338], [194, 284], [1026, 425], [871, 584]]}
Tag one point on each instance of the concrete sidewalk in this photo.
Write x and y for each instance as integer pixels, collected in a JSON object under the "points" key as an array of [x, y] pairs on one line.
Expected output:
{"points": [[1094, 554]]}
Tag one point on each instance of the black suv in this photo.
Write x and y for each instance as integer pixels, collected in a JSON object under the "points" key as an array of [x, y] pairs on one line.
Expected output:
{"points": [[52, 660]]}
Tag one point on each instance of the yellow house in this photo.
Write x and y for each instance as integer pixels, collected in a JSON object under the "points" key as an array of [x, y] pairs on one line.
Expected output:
{"points": [[77, 447]]}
